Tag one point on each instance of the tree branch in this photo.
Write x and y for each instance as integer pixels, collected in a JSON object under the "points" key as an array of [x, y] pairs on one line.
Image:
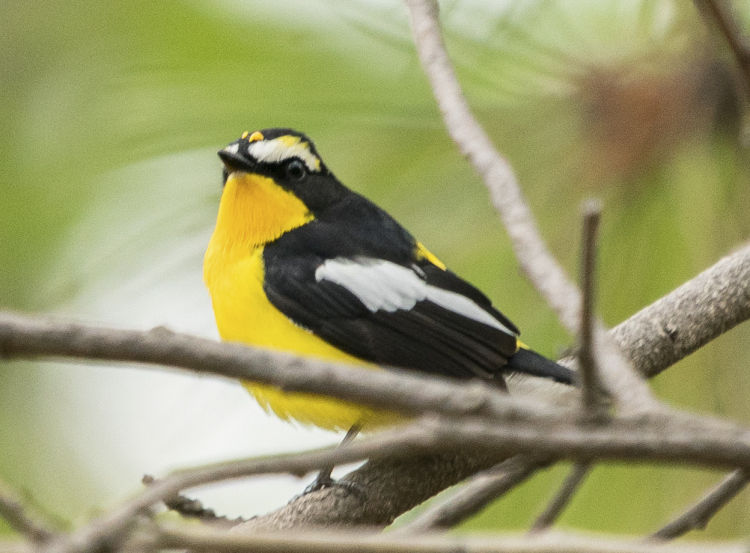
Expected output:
{"points": [[399, 390], [587, 360], [18, 516], [191, 508], [699, 514], [689, 317], [562, 498], [425, 443], [475, 495], [202, 539]]}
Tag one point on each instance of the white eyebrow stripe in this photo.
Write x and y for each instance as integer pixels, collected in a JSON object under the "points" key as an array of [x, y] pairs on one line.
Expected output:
{"points": [[279, 149], [385, 286]]}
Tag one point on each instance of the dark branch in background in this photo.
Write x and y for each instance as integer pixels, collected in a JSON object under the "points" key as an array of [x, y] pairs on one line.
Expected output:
{"points": [[620, 380], [699, 514], [562, 498], [587, 360], [14, 510], [475, 495], [721, 14]]}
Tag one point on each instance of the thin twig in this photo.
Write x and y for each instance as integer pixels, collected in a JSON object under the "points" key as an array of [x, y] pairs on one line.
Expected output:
{"points": [[562, 498], [697, 516], [726, 21], [193, 508], [497, 173], [205, 539], [587, 359], [619, 378], [20, 518], [475, 495]]}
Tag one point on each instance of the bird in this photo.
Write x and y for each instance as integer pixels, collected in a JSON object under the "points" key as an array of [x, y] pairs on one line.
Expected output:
{"points": [[300, 263]]}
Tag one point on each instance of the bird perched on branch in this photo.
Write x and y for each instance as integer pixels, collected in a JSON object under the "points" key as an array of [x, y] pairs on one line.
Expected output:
{"points": [[300, 263]]}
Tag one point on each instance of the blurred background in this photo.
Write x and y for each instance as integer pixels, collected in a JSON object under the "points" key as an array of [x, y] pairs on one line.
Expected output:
{"points": [[112, 114]]}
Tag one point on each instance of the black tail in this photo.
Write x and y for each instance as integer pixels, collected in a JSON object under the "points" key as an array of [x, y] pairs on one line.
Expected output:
{"points": [[527, 361]]}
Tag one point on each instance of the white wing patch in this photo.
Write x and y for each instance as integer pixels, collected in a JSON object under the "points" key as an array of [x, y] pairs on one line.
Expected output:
{"points": [[282, 148], [385, 286]]}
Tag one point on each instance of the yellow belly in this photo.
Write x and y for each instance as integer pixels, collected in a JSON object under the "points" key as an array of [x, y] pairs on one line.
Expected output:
{"points": [[244, 314]]}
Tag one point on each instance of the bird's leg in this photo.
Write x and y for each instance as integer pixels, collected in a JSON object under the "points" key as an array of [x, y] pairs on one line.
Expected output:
{"points": [[323, 479]]}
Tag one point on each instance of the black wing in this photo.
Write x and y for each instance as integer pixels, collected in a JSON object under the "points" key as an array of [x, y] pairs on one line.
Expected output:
{"points": [[370, 296]]}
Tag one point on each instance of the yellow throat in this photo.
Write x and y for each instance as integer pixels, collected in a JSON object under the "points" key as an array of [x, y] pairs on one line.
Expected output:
{"points": [[254, 210]]}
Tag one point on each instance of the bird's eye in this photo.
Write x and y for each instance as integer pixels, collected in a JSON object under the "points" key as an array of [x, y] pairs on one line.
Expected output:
{"points": [[295, 170]]}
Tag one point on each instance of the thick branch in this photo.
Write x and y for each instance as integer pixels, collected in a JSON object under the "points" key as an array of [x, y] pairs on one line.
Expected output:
{"points": [[689, 317]]}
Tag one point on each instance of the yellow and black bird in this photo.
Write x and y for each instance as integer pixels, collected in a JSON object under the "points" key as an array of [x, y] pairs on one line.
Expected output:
{"points": [[298, 262]]}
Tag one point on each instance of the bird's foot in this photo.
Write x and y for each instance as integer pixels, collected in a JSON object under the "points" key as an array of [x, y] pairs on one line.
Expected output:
{"points": [[324, 480]]}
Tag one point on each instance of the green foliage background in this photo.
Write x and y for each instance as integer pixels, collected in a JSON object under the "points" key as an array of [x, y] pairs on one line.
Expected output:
{"points": [[112, 113]]}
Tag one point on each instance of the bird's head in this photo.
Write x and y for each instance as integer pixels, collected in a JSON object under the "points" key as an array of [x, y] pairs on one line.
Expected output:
{"points": [[274, 180], [287, 157], [282, 152]]}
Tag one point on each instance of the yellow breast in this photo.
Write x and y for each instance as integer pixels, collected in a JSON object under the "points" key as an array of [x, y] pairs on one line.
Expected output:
{"points": [[233, 271]]}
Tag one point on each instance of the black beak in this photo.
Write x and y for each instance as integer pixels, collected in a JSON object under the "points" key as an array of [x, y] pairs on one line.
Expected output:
{"points": [[235, 161]]}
